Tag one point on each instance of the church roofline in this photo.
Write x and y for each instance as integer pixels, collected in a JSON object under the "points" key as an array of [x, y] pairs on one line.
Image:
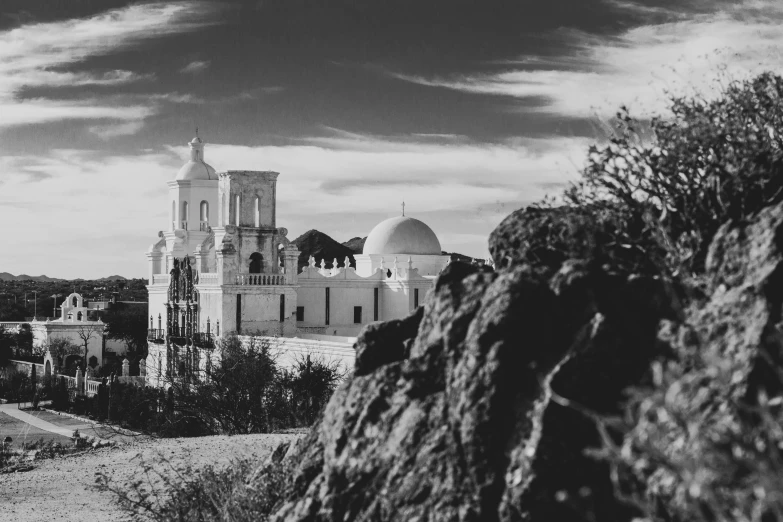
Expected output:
{"points": [[268, 175]]}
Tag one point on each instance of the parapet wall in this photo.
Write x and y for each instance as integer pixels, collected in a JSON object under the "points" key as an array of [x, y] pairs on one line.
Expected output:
{"points": [[289, 350]]}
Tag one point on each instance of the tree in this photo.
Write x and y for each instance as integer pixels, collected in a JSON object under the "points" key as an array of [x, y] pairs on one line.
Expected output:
{"points": [[11, 311], [60, 348], [24, 340], [245, 391], [87, 332], [128, 323], [233, 396], [6, 346]]}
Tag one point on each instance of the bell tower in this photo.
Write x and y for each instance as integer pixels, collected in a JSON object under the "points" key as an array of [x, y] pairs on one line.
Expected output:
{"points": [[258, 294]]}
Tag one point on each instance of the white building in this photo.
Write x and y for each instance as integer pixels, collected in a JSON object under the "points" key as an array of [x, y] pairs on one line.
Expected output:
{"points": [[76, 323], [223, 265]]}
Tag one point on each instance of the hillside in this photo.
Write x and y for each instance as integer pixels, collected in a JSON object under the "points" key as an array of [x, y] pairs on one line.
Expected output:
{"points": [[356, 244], [320, 246], [5, 276]]}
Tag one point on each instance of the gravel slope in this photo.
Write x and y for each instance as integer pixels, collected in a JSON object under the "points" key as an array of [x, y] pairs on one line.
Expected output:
{"points": [[62, 489]]}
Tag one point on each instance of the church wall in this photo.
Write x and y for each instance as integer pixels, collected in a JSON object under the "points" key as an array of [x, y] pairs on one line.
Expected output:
{"points": [[210, 307], [328, 349], [157, 296], [343, 300], [260, 309], [42, 332], [344, 295], [313, 298], [397, 300], [156, 364]]}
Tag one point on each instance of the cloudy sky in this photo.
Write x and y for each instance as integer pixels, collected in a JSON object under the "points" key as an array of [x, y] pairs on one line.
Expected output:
{"points": [[465, 109]]}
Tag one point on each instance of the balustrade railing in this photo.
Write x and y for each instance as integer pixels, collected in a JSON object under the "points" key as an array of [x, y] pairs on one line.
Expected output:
{"points": [[203, 226], [207, 279], [183, 225], [92, 387], [203, 339], [260, 279], [155, 334]]}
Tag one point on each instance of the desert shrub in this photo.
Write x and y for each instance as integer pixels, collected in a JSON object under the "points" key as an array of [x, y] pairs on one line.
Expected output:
{"points": [[245, 391], [693, 445], [243, 490], [61, 399], [653, 205], [306, 388], [14, 384]]}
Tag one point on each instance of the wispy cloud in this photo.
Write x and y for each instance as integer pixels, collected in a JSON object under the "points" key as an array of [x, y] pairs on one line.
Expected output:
{"points": [[641, 66], [78, 194], [366, 177], [195, 67], [41, 54]]}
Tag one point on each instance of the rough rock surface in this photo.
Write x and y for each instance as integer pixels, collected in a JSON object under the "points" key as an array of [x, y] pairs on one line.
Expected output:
{"points": [[739, 320], [445, 413], [478, 406]]}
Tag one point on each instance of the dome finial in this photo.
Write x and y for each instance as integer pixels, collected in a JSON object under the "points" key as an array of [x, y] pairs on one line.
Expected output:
{"points": [[403, 208]]}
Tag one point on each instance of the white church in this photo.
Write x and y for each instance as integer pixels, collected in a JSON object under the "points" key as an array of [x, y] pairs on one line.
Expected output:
{"points": [[225, 266]]}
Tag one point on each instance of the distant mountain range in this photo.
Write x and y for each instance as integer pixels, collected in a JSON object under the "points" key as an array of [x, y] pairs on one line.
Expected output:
{"points": [[5, 276]]}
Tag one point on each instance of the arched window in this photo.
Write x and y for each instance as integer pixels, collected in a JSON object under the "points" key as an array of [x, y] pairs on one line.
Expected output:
{"points": [[173, 211], [256, 263], [79, 316], [75, 302], [257, 211], [204, 211], [236, 210], [184, 211]]}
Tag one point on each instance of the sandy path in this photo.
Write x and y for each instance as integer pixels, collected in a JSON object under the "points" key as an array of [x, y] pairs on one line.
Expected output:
{"points": [[62, 489]]}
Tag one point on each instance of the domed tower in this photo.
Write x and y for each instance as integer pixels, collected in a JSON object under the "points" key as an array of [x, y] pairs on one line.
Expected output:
{"points": [[192, 213], [193, 193]]}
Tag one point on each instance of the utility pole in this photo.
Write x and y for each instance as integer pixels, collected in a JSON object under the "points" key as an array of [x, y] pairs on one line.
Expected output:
{"points": [[35, 306]]}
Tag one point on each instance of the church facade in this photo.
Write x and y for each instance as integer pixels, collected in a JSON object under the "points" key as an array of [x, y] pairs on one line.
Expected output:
{"points": [[224, 265]]}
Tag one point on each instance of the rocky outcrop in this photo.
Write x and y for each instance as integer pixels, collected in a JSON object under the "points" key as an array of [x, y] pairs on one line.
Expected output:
{"points": [[480, 406], [447, 413]]}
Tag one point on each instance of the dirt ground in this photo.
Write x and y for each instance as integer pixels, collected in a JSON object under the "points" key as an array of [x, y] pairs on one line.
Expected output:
{"points": [[62, 489]]}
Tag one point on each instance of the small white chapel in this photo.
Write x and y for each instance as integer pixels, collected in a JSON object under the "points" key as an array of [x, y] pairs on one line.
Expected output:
{"points": [[223, 265]]}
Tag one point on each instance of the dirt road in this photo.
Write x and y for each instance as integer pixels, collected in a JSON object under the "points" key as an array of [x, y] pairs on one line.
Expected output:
{"points": [[62, 489]]}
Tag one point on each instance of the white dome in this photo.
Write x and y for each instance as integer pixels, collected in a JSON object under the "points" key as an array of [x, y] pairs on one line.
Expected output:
{"points": [[196, 167], [196, 170], [402, 235]]}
